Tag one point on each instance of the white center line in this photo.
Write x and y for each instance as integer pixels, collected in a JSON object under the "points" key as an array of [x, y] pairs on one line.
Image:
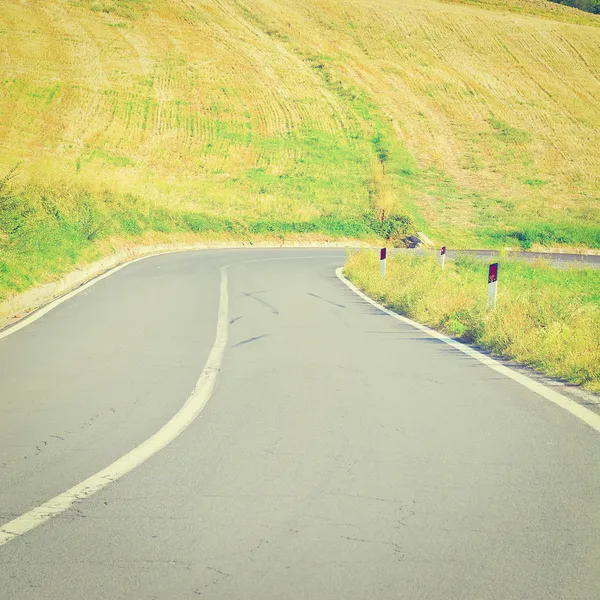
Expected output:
{"points": [[164, 436]]}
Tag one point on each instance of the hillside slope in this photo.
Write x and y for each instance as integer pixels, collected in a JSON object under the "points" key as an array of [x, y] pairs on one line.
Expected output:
{"points": [[478, 121]]}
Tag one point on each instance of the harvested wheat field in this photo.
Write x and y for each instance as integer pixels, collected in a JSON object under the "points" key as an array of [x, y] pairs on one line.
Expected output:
{"points": [[476, 122]]}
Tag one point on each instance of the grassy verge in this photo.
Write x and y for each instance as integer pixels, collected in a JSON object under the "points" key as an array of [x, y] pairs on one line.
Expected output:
{"points": [[47, 232], [546, 318]]}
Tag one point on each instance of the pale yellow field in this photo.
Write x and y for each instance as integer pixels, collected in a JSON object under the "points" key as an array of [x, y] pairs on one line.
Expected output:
{"points": [[269, 107]]}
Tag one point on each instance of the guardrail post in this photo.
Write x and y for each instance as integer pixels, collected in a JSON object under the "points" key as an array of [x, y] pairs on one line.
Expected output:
{"points": [[383, 261], [492, 285]]}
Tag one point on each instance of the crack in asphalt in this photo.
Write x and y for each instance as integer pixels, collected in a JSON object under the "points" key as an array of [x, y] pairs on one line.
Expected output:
{"points": [[398, 551]]}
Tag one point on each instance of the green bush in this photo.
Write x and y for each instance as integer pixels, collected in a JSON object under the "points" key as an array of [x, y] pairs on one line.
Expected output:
{"points": [[592, 6]]}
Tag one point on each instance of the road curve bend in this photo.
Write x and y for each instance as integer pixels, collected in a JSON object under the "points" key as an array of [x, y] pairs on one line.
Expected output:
{"points": [[342, 453]]}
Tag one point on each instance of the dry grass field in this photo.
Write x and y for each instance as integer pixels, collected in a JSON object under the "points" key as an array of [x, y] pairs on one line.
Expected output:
{"points": [[475, 121]]}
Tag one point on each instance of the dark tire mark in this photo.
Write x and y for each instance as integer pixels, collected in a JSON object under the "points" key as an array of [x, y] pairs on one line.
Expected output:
{"points": [[270, 306], [252, 339], [325, 300]]}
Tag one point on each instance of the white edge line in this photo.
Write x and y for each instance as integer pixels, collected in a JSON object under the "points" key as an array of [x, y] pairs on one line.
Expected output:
{"points": [[584, 414], [164, 436]]}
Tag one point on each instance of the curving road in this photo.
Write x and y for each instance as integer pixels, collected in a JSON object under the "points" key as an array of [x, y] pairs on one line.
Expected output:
{"points": [[556, 259], [343, 454]]}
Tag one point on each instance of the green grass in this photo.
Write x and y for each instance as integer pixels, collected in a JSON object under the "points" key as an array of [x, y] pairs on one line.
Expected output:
{"points": [[128, 9], [543, 234], [49, 231], [506, 133], [546, 318], [104, 156]]}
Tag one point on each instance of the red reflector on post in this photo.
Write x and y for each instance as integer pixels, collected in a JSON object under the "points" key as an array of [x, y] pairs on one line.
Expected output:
{"points": [[493, 273], [383, 253], [443, 251]]}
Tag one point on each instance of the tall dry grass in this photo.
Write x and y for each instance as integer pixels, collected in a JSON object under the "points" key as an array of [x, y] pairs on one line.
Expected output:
{"points": [[547, 318]]}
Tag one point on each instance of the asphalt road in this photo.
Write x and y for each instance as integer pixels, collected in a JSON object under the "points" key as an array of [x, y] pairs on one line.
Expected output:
{"points": [[558, 259], [343, 454]]}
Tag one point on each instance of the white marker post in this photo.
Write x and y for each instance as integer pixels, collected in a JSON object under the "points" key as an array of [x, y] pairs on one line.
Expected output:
{"points": [[383, 261], [443, 256], [492, 285]]}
